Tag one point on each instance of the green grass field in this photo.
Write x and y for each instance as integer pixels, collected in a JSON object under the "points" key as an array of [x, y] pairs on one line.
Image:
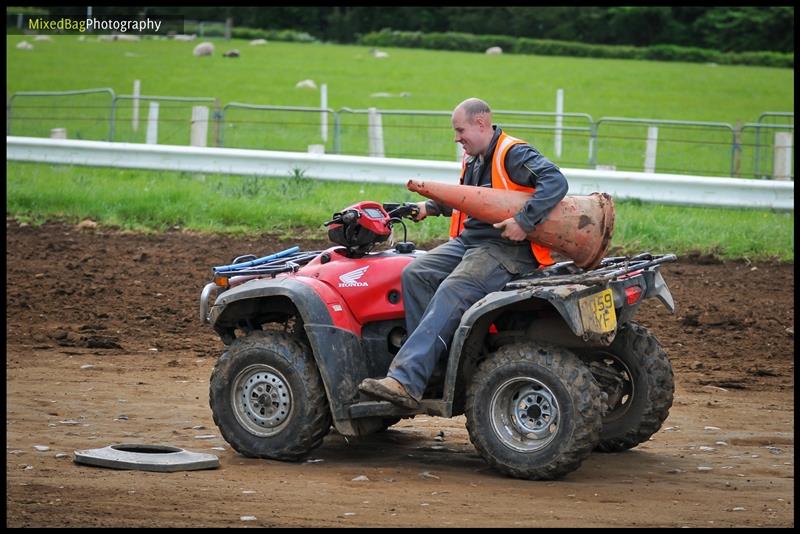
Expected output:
{"points": [[431, 80], [434, 80], [297, 207], [437, 80]]}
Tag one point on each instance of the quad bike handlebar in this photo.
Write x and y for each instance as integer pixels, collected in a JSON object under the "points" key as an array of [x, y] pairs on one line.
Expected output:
{"points": [[361, 226], [358, 227], [409, 210], [394, 210]]}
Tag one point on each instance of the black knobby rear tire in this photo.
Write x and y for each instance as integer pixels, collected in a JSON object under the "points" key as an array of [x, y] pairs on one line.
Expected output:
{"points": [[642, 365], [533, 411], [267, 397]]}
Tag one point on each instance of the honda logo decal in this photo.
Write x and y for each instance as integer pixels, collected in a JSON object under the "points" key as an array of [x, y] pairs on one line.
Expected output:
{"points": [[352, 278]]}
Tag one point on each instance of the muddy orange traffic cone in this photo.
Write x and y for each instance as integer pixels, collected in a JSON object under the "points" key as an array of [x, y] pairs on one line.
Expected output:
{"points": [[579, 227]]}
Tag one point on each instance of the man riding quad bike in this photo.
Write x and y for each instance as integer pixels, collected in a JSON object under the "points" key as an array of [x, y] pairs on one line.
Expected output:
{"points": [[546, 370]]}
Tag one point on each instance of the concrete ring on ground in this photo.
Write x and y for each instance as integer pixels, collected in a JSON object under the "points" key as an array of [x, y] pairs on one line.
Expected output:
{"points": [[160, 458]]}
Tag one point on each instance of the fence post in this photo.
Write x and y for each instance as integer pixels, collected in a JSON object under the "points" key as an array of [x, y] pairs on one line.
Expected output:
{"points": [[216, 116], [337, 133], [152, 124], [459, 152], [757, 163], [199, 135], [112, 119], [137, 87], [593, 145], [228, 28], [650, 151], [559, 120], [323, 103], [782, 165], [736, 164], [375, 133]]}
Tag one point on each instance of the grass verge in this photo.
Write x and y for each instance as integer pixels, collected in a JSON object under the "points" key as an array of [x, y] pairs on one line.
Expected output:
{"points": [[296, 206]]}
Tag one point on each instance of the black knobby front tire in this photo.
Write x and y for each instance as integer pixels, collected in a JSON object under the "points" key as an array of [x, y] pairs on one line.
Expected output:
{"points": [[267, 397], [533, 411], [647, 388], [388, 422]]}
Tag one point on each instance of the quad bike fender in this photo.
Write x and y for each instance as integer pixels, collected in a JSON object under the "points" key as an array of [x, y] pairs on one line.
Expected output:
{"points": [[477, 319], [314, 300], [337, 350], [235, 303], [657, 287]]}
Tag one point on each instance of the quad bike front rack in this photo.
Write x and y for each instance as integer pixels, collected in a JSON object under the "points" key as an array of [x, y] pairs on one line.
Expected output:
{"points": [[289, 260]]}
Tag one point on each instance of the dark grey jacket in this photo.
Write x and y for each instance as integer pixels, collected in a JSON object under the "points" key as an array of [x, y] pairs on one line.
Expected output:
{"points": [[526, 166]]}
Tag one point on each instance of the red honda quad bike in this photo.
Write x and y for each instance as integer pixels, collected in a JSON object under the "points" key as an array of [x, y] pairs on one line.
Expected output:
{"points": [[546, 371]]}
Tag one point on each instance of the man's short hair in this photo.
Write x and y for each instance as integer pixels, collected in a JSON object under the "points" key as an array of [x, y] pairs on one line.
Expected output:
{"points": [[473, 107]]}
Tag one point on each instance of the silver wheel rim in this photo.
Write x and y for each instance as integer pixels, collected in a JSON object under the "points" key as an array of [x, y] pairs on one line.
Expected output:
{"points": [[262, 400], [524, 414]]}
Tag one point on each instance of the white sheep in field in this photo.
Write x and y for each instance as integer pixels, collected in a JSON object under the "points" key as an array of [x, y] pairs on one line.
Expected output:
{"points": [[231, 53], [204, 49], [378, 54], [24, 45], [256, 42], [42, 38], [305, 84], [495, 50]]}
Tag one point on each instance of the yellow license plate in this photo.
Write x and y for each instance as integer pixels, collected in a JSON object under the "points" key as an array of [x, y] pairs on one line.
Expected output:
{"points": [[597, 312]]}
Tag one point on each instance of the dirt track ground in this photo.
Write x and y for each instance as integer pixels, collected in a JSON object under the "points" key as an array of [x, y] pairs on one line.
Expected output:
{"points": [[104, 346]]}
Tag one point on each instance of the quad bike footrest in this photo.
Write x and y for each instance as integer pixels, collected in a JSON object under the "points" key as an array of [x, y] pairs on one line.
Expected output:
{"points": [[385, 408]]}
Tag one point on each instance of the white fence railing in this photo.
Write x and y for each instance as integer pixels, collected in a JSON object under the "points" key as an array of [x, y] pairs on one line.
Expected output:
{"points": [[661, 188]]}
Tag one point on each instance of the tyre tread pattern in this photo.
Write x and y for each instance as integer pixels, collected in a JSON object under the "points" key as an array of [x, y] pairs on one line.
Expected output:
{"points": [[586, 397], [298, 356], [657, 370]]}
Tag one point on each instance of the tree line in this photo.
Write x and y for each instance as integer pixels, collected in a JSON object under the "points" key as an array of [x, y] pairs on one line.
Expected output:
{"points": [[726, 29]]}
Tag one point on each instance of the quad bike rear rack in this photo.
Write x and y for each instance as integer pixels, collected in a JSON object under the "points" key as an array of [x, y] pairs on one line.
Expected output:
{"points": [[610, 268]]}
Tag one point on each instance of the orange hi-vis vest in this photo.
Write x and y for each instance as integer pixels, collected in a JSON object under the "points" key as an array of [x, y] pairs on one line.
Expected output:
{"points": [[500, 180]]}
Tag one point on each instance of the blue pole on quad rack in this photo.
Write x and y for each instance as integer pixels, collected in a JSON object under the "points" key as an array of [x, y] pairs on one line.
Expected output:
{"points": [[259, 261]]}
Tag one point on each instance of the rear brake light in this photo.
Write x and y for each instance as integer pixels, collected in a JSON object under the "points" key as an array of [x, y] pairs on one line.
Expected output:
{"points": [[633, 294]]}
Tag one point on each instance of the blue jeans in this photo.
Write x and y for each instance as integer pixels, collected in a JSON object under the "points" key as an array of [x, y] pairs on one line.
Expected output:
{"points": [[438, 287]]}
